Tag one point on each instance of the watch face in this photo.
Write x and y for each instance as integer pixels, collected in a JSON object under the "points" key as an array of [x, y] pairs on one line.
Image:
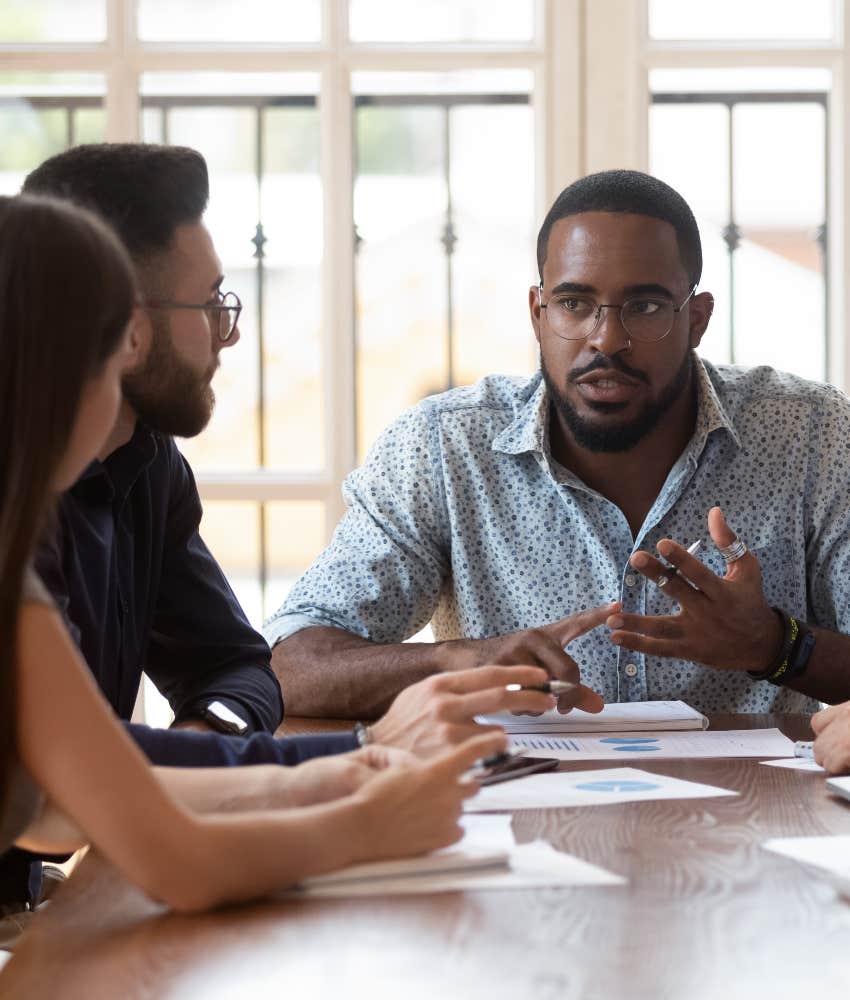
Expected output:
{"points": [[221, 717]]}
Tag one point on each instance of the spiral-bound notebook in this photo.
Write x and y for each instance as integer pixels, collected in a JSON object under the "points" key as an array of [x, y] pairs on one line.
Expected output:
{"points": [[617, 717]]}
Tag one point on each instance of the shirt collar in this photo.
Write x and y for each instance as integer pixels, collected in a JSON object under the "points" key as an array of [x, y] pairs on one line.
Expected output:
{"points": [[116, 474], [711, 413], [529, 430]]}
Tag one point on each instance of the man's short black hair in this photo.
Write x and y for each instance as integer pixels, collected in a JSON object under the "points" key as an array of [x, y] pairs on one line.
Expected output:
{"points": [[144, 191], [632, 192]]}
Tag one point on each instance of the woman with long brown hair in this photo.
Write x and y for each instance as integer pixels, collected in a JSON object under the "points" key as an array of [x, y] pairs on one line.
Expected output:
{"points": [[68, 773]]}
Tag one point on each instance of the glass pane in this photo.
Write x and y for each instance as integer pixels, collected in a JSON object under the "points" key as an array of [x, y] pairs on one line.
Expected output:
{"points": [[50, 21], [464, 81], [89, 125], [213, 84], [441, 20], [779, 183], [231, 530], [492, 152], [291, 210], [435, 153], [40, 115], [736, 79], [731, 20], [779, 164], [295, 535], [225, 21], [227, 138], [676, 133], [264, 168], [401, 268]]}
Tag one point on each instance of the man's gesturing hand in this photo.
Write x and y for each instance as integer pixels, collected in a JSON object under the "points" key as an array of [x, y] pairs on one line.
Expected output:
{"points": [[543, 647], [725, 623]]}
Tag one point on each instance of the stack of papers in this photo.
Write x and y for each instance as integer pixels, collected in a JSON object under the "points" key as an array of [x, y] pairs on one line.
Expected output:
{"points": [[486, 858], [657, 746], [587, 788], [628, 716]]}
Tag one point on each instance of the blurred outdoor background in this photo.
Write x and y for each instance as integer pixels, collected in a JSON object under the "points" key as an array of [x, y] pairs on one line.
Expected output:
{"points": [[379, 171]]}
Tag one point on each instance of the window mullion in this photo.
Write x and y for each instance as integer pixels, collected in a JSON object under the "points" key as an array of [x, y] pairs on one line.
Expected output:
{"points": [[338, 352], [122, 80]]}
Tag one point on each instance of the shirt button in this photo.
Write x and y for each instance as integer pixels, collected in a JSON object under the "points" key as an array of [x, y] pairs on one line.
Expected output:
{"points": [[631, 669], [631, 580]]}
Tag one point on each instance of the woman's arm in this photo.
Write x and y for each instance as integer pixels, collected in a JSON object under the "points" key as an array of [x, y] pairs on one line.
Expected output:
{"points": [[271, 786], [52, 832], [224, 790], [75, 750]]}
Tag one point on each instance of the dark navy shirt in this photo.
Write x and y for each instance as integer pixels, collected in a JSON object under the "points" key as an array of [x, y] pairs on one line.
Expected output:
{"points": [[140, 591]]}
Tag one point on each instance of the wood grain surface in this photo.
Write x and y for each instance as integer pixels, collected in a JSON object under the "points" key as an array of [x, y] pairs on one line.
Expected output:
{"points": [[706, 914]]}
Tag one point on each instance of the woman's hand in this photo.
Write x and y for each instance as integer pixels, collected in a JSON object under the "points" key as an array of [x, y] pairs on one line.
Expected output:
{"points": [[324, 779], [414, 808]]}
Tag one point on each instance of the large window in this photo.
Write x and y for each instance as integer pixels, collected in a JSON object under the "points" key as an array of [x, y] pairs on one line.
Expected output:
{"points": [[747, 113], [375, 181], [379, 168]]}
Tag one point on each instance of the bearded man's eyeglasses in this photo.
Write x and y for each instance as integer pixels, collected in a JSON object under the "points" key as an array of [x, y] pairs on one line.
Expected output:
{"points": [[222, 312], [644, 317]]}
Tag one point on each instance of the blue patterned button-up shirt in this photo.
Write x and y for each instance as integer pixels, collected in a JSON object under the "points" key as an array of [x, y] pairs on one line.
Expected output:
{"points": [[460, 516]]}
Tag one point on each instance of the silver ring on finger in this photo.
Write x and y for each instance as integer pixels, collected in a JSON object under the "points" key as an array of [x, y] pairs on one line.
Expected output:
{"points": [[734, 551], [662, 581]]}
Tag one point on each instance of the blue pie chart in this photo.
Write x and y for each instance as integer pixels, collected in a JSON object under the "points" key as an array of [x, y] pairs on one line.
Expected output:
{"points": [[618, 786]]}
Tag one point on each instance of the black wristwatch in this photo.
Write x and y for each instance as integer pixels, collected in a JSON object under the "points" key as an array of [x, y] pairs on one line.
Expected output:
{"points": [[223, 720], [793, 657]]}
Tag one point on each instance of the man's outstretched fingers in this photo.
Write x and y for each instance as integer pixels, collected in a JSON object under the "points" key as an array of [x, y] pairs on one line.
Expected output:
{"points": [[668, 581], [571, 627], [584, 698], [657, 626], [722, 535]]}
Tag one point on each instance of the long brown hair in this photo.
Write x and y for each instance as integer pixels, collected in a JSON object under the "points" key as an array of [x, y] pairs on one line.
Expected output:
{"points": [[66, 295]]}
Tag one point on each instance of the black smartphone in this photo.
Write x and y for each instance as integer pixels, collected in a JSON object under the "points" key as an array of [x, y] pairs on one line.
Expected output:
{"points": [[517, 767]]}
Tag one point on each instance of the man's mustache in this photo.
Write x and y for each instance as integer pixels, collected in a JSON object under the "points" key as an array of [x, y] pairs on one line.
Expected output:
{"points": [[601, 362]]}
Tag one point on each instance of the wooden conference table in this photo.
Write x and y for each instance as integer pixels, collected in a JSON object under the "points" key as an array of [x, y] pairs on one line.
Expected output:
{"points": [[706, 914]]}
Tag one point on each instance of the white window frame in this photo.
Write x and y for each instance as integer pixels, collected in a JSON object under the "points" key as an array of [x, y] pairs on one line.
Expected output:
{"points": [[553, 58], [590, 61], [830, 55]]}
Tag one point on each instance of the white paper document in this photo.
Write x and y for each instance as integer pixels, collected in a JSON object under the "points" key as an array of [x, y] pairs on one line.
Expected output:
{"points": [[830, 854], [839, 786], [628, 716], [658, 746], [794, 764], [586, 788], [534, 865]]}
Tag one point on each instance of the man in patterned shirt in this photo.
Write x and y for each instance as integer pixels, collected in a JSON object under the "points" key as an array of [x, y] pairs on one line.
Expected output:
{"points": [[493, 511]]}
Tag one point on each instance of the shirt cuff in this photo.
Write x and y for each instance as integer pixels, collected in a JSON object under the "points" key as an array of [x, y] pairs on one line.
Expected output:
{"points": [[280, 627]]}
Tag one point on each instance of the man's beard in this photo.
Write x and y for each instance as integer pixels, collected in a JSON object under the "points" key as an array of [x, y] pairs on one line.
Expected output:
{"points": [[165, 393], [601, 437]]}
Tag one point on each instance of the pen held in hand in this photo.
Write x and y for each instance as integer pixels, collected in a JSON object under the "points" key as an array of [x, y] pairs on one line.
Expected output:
{"points": [[550, 687]]}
